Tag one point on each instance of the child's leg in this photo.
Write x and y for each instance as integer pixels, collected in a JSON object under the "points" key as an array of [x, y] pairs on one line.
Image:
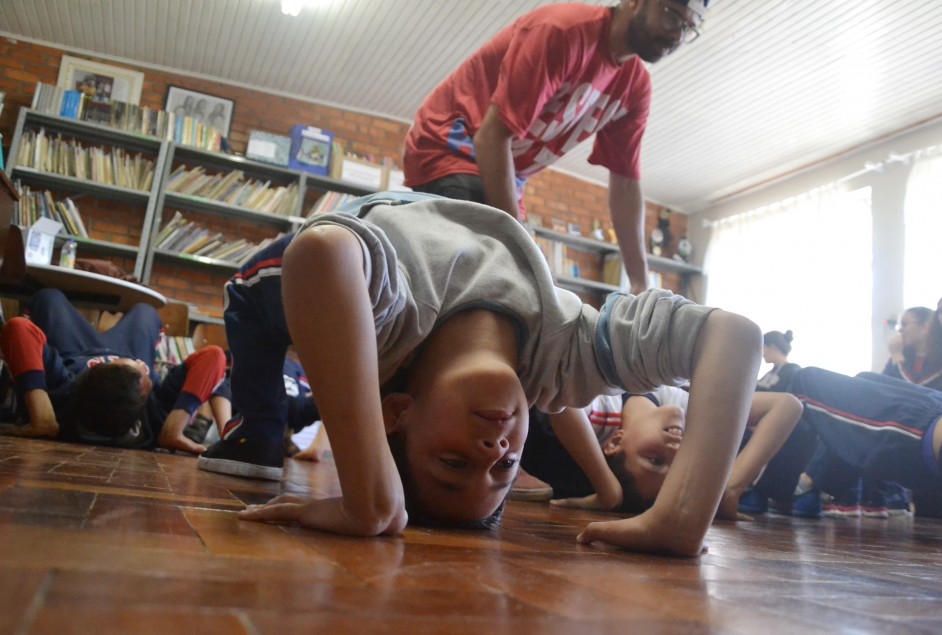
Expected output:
{"points": [[65, 328], [875, 426], [252, 443], [136, 333]]}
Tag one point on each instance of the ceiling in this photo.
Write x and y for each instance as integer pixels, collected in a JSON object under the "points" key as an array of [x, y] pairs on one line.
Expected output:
{"points": [[771, 86]]}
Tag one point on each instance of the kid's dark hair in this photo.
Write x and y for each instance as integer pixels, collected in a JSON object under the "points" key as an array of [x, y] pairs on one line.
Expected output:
{"points": [[423, 517], [781, 341], [631, 500], [107, 399]]}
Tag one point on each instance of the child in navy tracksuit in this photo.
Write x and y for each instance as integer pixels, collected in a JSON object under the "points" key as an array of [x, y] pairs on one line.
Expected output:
{"points": [[885, 428], [56, 354]]}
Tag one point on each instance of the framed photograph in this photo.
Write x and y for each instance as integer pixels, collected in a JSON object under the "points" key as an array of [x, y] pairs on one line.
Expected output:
{"points": [[101, 81], [207, 109]]}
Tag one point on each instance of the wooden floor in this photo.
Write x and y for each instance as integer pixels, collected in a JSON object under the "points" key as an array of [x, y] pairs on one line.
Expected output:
{"points": [[109, 541]]}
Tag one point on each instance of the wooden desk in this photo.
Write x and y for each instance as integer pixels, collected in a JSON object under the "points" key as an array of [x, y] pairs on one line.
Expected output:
{"points": [[84, 288]]}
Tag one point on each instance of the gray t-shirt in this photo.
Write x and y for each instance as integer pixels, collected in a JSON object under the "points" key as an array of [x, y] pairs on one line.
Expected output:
{"points": [[426, 260]]}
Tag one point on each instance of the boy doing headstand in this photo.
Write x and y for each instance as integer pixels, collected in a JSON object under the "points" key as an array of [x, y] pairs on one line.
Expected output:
{"points": [[437, 322]]}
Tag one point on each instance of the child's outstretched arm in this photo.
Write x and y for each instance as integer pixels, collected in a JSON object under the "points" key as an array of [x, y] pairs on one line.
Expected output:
{"points": [[330, 319], [574, 431], [773, 416], [726, 362], [24, 345]]}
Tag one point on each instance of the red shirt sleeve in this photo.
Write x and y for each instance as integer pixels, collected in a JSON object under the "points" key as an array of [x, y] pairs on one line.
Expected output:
{"points": [[204, 370], [22, 343]]}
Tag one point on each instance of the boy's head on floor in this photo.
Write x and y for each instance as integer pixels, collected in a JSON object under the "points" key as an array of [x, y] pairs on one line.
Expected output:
{"points": [[109, 398], [641, 452], [457, 434]]}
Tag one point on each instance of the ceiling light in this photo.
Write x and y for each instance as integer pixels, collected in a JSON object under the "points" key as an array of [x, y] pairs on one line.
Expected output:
{"points": [[291, 7]]}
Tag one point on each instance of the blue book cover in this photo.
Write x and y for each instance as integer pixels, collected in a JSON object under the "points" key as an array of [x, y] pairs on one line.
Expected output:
{"points": [[71, 102], [310, 149]]}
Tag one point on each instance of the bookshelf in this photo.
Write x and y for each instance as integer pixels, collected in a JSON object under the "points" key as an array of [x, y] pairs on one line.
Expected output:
{"points": [[140, 214], [554, 244], [109, 174], [239, 203]]}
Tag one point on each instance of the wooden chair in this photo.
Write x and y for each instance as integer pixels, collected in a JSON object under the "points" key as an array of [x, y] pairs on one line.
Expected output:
{"points": [[176, 317], [205, 334]]}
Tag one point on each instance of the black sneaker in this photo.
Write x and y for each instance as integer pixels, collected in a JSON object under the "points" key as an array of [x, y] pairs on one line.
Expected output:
{"points": [[250, 458]]}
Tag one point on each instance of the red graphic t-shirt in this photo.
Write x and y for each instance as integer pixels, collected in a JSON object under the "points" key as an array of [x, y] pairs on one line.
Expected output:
{"points": [[554, 82]]}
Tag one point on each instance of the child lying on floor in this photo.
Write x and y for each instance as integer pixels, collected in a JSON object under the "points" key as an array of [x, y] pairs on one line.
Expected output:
{"points": [[885, 428], [635, 445], [436, 322], [81, 385]]}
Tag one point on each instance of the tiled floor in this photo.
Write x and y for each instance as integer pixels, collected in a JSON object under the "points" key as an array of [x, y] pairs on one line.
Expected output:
{"points": [[109, 541]]}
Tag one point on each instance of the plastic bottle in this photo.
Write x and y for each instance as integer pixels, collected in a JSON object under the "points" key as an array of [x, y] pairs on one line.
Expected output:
{"points": [[67, 255]]}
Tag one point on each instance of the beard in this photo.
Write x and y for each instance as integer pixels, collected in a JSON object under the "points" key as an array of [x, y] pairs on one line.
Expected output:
{"points": [[647, 41]]}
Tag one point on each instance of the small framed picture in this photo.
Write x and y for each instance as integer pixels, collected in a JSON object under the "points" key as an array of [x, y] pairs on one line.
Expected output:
{"points": [[101, 81], [206, 109]]}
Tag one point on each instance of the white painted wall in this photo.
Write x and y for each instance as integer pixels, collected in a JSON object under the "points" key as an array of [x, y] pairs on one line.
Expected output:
{"points": [[888, 195]]}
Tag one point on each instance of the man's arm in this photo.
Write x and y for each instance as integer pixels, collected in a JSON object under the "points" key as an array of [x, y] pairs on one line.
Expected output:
{"points": [[574, 431], [773, 416], [726, 362], [331, 324], [626, 205], [495, 163]]}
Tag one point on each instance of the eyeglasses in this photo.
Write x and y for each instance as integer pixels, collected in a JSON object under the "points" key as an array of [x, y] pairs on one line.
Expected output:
{"points": [[675, 21]]}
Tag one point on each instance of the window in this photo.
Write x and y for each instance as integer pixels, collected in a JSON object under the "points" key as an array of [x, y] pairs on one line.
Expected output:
{"points": [[803, 264], [922, 285]]}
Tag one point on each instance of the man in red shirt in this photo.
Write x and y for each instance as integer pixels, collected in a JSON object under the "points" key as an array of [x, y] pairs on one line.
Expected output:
{"points": [[541, 86]]}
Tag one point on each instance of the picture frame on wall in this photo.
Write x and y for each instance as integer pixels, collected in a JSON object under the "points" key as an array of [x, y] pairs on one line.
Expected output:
{"points": [[207, 109], [100, 81]]}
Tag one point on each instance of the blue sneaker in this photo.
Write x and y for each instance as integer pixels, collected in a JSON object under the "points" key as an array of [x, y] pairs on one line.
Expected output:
{"points": [[241, 456], [899, 501], [807, 505], [752, 502]]}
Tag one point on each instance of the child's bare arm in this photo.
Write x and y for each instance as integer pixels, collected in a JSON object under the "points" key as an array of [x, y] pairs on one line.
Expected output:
{"points": [[773, 416], [42, 417], [330, 319], [726, 361], [574, 431]]}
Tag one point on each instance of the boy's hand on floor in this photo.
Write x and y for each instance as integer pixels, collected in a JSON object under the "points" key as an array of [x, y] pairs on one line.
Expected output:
{"points": [[172, 437], [327, 514], [642, 533], [591, 501], [729, 507]]}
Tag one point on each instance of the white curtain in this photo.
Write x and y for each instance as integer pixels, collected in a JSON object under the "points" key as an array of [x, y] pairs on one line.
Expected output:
{"points": [[922, 284], [804, 265]]}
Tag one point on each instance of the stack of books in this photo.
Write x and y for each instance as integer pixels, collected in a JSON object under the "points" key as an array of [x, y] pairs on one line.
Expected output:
{"points": [[329, 202], [185, 237], [73, 104], [173, 349], [35, 205], [234, 188], [69, 158]]}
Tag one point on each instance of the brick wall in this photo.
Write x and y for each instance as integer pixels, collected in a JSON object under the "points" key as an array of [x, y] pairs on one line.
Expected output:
{"points": [[550, 194]]}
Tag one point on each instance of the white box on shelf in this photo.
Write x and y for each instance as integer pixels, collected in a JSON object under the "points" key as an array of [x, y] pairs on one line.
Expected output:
{"points": [[40, 241]]}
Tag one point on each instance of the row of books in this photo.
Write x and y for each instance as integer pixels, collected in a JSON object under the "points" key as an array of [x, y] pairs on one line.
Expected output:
{"points": [[74, 104], [186, 237], [234, 189], [173, 349], [329, 202], [68, 157], [34, 205]]}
